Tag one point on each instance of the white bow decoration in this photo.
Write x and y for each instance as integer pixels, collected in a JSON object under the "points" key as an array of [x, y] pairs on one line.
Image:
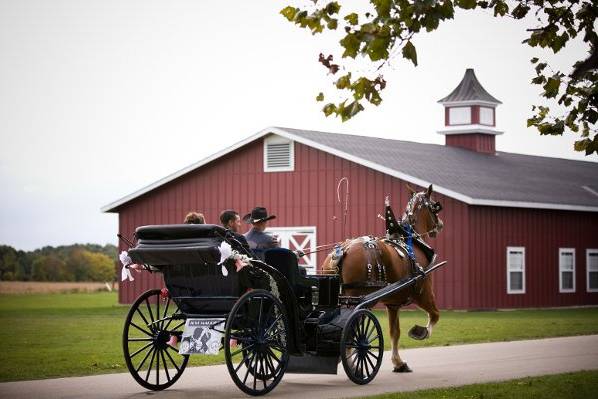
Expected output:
{"points": [[125, 273]]}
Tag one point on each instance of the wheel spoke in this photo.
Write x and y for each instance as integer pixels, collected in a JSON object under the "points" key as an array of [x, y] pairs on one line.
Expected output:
{"points": [[273, 324], [369, 361], [165, 365], [165, 312], [144, 359], [235, 353], [172, 360], [140, 339], [140, 329], [366, 328], [273, 355], [259, 317], [158, 365], [140, 349], [158, 312], [270, 364], [376, 357], [254, 371], [149, 309], [149, 369], [248, 365], [144, 319]]}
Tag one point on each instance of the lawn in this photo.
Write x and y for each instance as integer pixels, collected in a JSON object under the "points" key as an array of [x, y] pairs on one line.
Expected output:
{"points": [[578, 385], [56, 335]]}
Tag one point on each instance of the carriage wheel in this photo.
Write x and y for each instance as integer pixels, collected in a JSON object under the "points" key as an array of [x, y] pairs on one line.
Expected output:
{"points": [[256, 342], [362, 346], [151, 359]]}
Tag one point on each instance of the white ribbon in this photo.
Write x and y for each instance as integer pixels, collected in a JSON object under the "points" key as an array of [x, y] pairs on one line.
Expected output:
{"points": [[125, 273]]}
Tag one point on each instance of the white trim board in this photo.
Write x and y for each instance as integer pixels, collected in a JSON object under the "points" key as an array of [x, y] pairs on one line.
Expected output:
{"points": [[341, 154]]}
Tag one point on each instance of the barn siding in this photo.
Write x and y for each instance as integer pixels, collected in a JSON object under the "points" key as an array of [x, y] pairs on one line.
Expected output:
{"points": [[542, 233], [473, 240]]}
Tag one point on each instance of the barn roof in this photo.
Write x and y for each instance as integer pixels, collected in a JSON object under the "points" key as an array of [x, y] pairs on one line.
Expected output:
{"points": [[469, 90], [503, 179]]}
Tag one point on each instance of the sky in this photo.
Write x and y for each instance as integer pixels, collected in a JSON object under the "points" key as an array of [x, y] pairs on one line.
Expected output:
{"points": [[101, 98]]}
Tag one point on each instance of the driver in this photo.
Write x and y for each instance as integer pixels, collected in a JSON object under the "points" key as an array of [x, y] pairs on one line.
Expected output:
{"points": [[258, 239]]}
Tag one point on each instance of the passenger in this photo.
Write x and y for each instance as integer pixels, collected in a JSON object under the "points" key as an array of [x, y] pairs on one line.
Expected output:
{"points": [[258, 239], [195, 218], [230, 220]]}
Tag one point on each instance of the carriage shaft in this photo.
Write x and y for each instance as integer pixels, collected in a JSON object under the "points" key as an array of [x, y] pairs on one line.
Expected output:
{"points": [[370, 299]]}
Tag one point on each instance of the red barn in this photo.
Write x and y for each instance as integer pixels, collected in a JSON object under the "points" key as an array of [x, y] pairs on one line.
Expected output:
{"points": [[520, 230]]}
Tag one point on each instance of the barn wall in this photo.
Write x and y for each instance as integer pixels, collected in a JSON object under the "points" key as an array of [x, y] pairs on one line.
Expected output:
{"points": [[542, 233], [305, 197]]}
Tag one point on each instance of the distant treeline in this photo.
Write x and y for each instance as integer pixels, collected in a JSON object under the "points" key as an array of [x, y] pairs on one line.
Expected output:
{"points": [[78, 262]]}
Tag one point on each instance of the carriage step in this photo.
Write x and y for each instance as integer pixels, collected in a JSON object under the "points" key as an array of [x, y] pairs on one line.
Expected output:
{"points": [[312, 364]]}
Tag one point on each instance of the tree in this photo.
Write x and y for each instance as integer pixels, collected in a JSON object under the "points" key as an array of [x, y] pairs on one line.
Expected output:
{"points": [[48, 268], [101, 267], [389, 26]]}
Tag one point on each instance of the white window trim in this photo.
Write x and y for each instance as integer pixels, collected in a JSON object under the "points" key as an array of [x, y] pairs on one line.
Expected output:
{"points": [[509, 290], [275, 139], [561, 289], [312, 257], [588, 252]]}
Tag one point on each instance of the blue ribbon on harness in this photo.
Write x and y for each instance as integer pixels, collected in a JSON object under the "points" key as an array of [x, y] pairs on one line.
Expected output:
{"points": [[409, 242]]}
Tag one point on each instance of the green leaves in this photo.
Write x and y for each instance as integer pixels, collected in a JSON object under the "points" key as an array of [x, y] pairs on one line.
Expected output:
{"points": [[351, 45], [316, 20], [290, 13], [395, 24], [409, 52], [551, 87], [352, 19], [466, 4]]}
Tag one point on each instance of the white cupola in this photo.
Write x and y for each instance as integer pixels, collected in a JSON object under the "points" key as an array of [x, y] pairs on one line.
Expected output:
{"points": [[470, 116]]}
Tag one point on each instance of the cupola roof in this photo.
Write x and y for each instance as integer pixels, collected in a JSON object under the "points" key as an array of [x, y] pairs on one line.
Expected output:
{"points": [[469, 90]]}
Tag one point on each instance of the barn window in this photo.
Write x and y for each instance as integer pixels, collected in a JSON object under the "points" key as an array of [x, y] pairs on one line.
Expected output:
{"points": [[487, 116], [592, 266], [459, 115], [566, 269], [515, 270], [279, 154]]}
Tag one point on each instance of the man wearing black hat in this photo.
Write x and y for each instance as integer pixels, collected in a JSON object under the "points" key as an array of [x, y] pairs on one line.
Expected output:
{"points": [[257, 238]]}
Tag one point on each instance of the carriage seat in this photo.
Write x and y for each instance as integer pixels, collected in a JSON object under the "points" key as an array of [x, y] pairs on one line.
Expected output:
{"points": [[285, 261], [167, 232], [177, 244]]}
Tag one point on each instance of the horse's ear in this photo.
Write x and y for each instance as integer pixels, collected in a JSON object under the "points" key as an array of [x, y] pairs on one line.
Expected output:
{"points": [[429, 192], [411, 189]]}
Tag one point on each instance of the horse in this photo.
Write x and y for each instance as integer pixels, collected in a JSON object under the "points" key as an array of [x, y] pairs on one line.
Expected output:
{"points": [[422, 216]]}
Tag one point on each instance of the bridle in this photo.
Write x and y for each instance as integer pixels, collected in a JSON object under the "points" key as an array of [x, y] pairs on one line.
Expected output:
{"points": [[417, 202]]}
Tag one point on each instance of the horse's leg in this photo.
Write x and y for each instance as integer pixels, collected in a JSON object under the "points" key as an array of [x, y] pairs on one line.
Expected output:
{"points": [[395, 333], [426, 302]]}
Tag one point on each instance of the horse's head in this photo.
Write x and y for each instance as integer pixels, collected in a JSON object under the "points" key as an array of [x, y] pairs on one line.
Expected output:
{"points": [[422, 213]]}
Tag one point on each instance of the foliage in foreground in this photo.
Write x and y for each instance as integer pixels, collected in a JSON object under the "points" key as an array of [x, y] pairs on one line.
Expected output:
{"points": [[379, 32], [578, 385], [58, 335]]}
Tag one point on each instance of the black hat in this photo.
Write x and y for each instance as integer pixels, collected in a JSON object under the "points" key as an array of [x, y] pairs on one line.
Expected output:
{"points": [[258, 214]]}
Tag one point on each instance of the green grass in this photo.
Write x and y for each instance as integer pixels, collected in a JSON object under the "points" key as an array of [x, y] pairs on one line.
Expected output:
{"points": [[56, 335], [578, 385]]}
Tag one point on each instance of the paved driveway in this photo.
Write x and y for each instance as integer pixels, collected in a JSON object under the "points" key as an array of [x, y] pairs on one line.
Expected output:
{"points": [[434, 367]]}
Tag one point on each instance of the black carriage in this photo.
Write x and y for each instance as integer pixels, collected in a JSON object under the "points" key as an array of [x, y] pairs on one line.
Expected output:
{"points": [[269, 317]]}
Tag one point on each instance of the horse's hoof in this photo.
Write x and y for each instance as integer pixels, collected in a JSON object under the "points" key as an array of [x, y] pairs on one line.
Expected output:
{"points": [[418, 332], [403, 368]]}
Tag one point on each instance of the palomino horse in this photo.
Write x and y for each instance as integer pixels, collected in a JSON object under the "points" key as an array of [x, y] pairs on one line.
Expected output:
{"points": [[422, 215]]}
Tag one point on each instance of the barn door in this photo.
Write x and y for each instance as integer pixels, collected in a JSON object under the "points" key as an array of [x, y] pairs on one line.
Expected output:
{"points": [[294, 238]]}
